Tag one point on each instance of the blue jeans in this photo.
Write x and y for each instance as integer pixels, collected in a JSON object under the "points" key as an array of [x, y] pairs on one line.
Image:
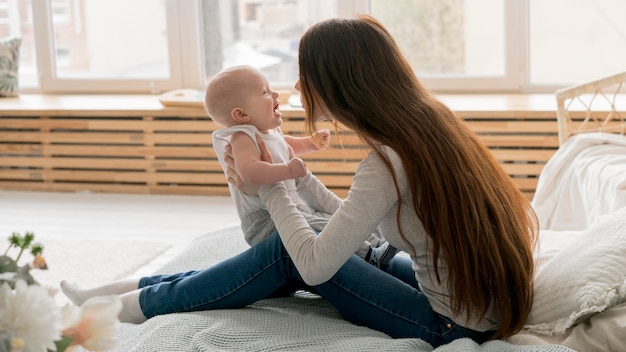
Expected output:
{"points": [[365, 295]]}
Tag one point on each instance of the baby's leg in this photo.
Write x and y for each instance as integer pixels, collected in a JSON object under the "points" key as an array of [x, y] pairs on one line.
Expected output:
{"points": [[78, 294], [125, 289], [131, 309]]}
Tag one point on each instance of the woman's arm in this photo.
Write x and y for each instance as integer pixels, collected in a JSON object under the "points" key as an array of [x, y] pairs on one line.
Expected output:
{"points": [[253, 170], [316, 195], [319, 257]]}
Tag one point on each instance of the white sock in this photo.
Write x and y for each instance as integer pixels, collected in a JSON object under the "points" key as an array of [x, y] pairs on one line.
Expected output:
{"points": [[131, 309], [78, 295]]}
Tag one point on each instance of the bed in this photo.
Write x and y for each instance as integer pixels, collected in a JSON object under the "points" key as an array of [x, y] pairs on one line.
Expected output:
{"points": [[580, 286]]}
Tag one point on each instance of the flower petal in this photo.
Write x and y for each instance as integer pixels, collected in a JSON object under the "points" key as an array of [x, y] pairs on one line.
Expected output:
{"points": [[30, 314], [98, 325]]}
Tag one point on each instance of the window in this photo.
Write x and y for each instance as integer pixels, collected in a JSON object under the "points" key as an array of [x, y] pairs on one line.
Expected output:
{"points": [[576, 41], [264, 34], [60, 11], [108, 45], [454, 43], [151, 46]]}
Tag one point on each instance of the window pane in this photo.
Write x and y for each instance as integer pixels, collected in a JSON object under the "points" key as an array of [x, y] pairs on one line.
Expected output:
{"points": [[261, 33], [16, 21], [440, 37], [574, 41], [110, 39], [447, 37]]}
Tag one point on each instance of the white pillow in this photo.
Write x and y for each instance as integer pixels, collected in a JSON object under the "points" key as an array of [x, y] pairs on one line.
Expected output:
{"points": [[586, 277]]}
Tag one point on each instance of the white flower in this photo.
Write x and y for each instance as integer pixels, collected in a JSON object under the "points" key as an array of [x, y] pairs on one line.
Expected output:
{"points": [[95, 324], [29, 314]]}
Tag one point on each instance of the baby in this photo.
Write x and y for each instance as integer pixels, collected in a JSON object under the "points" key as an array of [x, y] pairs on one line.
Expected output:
{"points": [[240, 100]]}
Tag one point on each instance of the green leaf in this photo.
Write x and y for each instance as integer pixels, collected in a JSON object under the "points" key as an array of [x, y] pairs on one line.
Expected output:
{"points": [[15, 239], [63, 343], [7, 265], [36, 248], [28, 239]]}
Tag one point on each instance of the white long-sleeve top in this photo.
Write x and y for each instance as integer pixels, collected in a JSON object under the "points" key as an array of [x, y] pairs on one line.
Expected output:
{"points": [[372, 202]]}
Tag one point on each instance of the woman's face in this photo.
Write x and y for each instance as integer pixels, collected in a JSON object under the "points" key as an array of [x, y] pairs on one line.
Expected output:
{"points": [[297, 86], [319, 116]]}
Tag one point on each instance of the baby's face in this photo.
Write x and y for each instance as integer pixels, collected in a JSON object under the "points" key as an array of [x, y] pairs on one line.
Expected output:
{"points": [[261, 104]]}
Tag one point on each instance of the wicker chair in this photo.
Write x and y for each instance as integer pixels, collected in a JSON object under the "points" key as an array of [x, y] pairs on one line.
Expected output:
{"points": [[596, 106]]}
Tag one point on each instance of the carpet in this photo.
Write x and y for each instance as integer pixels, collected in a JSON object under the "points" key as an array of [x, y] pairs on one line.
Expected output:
{"points": [[89, 262]]}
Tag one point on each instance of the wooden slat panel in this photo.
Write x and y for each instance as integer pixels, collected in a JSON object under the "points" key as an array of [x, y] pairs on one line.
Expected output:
{"points": [[296, 125], [337, 153], [334, 181], [169, 150], [109, 138], [332, 167], [113, 163], [499, 115], [529, 141], [526, 183], [523, 169], [21, 174], [110, 125], [108, 150], [110, 176], [512, 126], [538, 155]]}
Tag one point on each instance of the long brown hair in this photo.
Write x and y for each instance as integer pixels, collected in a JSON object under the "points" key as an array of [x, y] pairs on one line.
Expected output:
{"points": [[477, 220]]}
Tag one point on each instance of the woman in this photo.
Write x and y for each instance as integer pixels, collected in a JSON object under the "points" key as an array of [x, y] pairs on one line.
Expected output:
{"points": [[429, 184]]}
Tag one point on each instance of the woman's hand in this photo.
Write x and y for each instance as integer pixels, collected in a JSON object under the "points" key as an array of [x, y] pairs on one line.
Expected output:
{"points": [[231, 173]]}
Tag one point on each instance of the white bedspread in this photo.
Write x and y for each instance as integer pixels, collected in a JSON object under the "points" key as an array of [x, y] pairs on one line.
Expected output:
{"points": [[583, 182], [301, 323], [584, 179], [602, 332]]}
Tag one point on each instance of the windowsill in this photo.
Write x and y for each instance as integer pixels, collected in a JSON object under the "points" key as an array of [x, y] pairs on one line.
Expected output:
{"points": [[54, 102], [500, 102], [487, 105], [509, 104]]}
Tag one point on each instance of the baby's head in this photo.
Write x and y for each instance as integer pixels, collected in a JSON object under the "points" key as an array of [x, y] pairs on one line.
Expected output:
{"points": [[229, 94]]}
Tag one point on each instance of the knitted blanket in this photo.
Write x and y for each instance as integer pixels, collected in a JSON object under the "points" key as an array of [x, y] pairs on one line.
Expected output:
{"points": [[304, 322]]}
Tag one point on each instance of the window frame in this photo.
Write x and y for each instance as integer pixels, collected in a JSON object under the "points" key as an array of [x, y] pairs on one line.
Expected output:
{"points": [[187, 62], [183, 37], [513, 80]]}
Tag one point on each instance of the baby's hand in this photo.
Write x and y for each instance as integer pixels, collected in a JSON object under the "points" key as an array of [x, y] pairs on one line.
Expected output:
{"points": [[297, 167], [322, 138]]}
